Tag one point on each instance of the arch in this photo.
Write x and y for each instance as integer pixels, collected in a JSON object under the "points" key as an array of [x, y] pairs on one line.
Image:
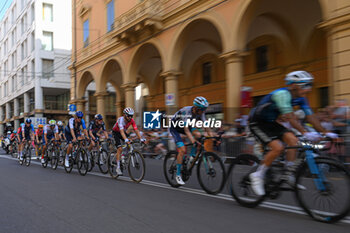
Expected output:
{"points": [[244, 16], [112, 72], [176, 47], [83, 82], [138, 55]]}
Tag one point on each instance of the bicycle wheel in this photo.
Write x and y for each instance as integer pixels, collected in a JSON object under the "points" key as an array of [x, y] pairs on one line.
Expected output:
{"points": [[136, 166], [28, 156], [71, 163], [102, 161], [211, 173], [238, 180], [14, 151], [46, 161], [91, 160], [54, 159], [169, 168], [327, 194], [82, 162], [112, 165]]}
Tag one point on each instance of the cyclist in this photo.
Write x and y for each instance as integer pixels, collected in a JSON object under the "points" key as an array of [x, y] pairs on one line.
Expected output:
{"points": [[95, 127], [12, 139], [197, 112], [119, 133], [38, 138], [50, 133], [26, 134], [264, 126], [72, 132], [61, 130]]}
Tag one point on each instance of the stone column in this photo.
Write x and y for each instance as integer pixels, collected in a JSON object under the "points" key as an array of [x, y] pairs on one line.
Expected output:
{"points": [[119, 108], [338, 32], [8, 107], [16, 112], [171, 91], [234, 80], [39, 98], [2, 118], [129, 90], [26, 103], [100, 97]]}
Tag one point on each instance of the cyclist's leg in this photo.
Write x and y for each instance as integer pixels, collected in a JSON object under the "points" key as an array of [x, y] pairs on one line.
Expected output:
{"points": [[291, 154], [197, 135], [181, 151]]}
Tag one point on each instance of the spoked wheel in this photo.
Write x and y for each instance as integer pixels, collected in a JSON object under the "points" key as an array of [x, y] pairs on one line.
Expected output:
{"points": [[103, 161], [28, 156], [326, 196], [91, 160], [112, 165], [82, 162], [136, 166], [14, 152], [54, 159], [238, 180], [211, 173], [46, 161], [71, 163], [169, 168]]}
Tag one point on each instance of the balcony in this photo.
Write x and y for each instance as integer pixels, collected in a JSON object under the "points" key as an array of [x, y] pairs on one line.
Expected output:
{"points": [[144, 19]]}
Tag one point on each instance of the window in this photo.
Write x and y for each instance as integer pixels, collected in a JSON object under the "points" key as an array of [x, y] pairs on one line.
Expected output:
{"points": [[206, 72], [22, 4], [22, 25], [47, 71], [47, 12], [22, 51], [323, 96], [32, 13], [86, 32], [261, 58], [6, 89], [47, 41], [110, 15], [32, 74], [22, 77], [33, 41], [13, 85], [13, 61]]}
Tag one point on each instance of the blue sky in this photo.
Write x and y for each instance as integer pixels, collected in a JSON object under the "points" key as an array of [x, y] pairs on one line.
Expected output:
{"points": [[4, 5]]}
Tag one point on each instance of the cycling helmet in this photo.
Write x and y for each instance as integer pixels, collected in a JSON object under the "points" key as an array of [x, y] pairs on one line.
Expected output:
{"points": [[52, 122], [8, 125], [8, 132], [15, 131], [299, 76], [22, 124], [98, 117], [200, 102], [28, 120], [129, 111], [40, 126], [60, 123], [79, 114]]}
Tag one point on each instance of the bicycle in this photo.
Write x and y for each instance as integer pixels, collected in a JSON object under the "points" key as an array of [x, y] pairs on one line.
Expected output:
{"points": [[209, 167], [14, 149], [27, 157], [131, 159], [99, 155], [314, 174], [52, 154], [79, 157]]}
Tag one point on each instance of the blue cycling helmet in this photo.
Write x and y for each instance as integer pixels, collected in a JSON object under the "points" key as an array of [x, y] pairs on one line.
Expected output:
{"points": [[79, 114], [200, 102], [98, 117], [28, 120], [15, 131]]}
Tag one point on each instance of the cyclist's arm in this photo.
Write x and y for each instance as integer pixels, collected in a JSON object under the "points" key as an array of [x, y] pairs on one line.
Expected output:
{"points": [[138, 133], [315, 123], [189, 135], [294, 122], [122, 132], [73, 134]]}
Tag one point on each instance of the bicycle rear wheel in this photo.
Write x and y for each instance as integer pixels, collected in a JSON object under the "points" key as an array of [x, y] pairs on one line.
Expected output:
{"points": [[54, 159], [103, 161], [71, 163], [136, 166], [211, 173], [112, 165], [169, 168], [238, 180], [82, 162], [327, 194], [28, 156]]}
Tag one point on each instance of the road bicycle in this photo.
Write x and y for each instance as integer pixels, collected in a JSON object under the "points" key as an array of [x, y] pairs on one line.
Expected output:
{"points": [[27, 154], [78, 157], [322, 184], [99, 155], [131, 160], [52, 154], [210, 168]]}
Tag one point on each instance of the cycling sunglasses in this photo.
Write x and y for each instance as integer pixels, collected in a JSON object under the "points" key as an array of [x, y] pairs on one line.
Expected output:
{"points": [[131, 116], [305, 86]]}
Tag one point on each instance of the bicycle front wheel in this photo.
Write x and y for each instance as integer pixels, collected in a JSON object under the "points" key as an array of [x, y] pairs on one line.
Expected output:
{"points": [[28, 157], [326, 197], [211, 173], [238, 180], [136, 166], [103, 161], [112, 165], [54, 159], [82, 162], [169, 168]]}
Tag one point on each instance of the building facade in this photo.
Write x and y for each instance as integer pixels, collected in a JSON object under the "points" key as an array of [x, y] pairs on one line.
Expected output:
{"points": [[160, 54], [35, 51]]}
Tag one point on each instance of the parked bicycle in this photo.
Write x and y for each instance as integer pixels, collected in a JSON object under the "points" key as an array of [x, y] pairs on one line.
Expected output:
{"points": [[322, 184], [131, 159], [210, 168]]}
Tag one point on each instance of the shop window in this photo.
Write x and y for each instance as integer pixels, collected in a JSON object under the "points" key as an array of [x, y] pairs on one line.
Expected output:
{"points": [[261, 58]]}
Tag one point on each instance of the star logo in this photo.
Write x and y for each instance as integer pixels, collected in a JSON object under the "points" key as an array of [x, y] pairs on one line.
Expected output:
{"points": [[151, 120], [155, 115]]}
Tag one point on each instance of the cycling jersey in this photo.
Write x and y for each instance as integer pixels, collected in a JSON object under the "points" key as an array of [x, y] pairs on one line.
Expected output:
{"points": [[60, 129], [39, 133], [278, 102], [72, 124], [27, 130], [123, 124], [49, 131], [95, 128]]}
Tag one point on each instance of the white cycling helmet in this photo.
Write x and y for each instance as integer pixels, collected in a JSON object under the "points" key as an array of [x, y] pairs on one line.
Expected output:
{"points": [[129, 111], [60, 123], [201, 102], [299, 76]]}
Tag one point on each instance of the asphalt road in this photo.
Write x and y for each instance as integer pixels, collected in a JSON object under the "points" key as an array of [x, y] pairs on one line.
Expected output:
{"points": [[34, 199]]}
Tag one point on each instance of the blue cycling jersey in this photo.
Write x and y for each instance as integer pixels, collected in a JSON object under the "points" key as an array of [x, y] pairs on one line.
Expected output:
{"points": [[278, 102]]}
